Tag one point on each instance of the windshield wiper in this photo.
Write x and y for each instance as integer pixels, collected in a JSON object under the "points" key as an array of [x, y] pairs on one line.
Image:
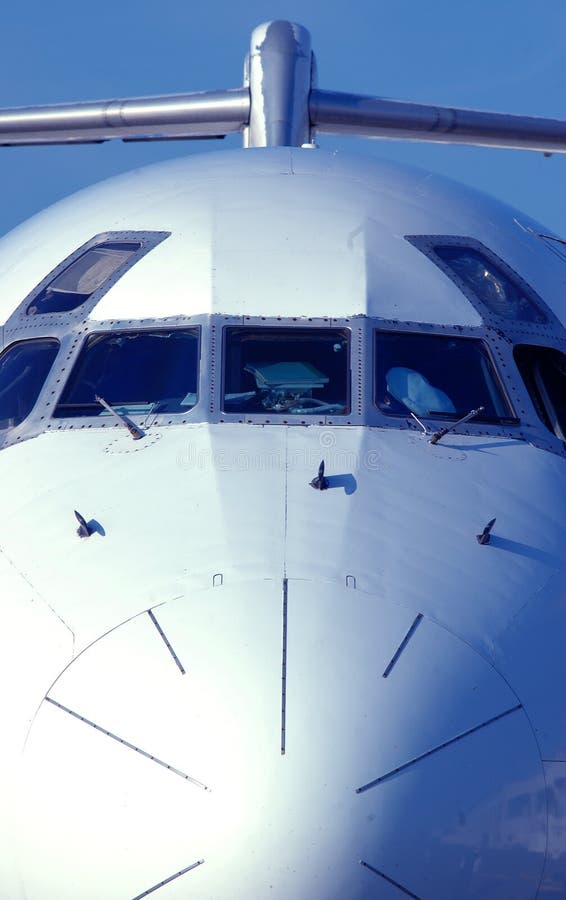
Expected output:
{"points": [[438, 435], [136, 432], [77, 406]]}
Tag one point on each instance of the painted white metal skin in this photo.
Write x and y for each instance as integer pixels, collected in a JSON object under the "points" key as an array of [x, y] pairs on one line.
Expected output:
{"points": [[131, 766]]}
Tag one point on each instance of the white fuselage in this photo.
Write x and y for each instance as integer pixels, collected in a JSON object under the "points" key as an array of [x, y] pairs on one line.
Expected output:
{"points": [[252, 739]]}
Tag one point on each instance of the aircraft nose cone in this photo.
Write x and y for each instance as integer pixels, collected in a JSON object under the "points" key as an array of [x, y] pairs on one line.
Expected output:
{"points": [[281, 740]]}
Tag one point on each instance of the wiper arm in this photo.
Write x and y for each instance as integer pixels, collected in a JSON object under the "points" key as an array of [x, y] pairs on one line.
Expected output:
{"points": [[136, 432], [438, 435]]}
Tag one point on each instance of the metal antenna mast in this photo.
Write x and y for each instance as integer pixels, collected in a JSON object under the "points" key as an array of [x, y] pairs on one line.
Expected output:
{"points": [[279, 105]]}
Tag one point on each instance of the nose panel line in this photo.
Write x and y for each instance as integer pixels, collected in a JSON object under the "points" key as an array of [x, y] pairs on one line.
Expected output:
{"points": [[161, 884], [166, 642], [458, 737], [284, 671], [396, 884], [125, 743], [402, 645]]}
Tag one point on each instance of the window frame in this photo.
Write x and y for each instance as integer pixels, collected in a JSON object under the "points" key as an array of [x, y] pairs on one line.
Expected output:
{"points": [[537, 388], [60, 422], [354, 335], [503, 421], [362, 375], [501, 359], [132, 251], [20, 319], [7, 432], [427, 245]]}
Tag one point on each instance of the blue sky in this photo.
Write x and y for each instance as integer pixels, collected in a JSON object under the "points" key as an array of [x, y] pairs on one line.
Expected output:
{"points": [[505, 55]]}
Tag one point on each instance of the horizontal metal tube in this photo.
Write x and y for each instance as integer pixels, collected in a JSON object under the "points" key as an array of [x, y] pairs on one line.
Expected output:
{"points": [[337, 113], [206, 114]]}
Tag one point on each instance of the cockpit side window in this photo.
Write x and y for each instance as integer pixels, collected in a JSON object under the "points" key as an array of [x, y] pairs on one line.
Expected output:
{"points": [[82, 278], [136, 372], [488, 282], [24, 368], [436, 375], [544, 373], [286, 371]]}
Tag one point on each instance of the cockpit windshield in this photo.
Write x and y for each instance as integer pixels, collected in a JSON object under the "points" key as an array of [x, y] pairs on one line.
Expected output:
{"points": [[23, 370], [286, 371], [136, 372], [436, 375]]}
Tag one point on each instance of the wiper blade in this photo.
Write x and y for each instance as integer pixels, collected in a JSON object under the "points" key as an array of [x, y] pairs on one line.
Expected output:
{"points": [[77, 406], [438, 435], [136, 432]]}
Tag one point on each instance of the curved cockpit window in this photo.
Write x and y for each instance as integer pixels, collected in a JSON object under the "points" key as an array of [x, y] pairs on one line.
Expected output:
{"points": [[544, 373], [436, 375], [491, 285], [286, 371], [78, 281], [135, 372], [23, 370]]}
